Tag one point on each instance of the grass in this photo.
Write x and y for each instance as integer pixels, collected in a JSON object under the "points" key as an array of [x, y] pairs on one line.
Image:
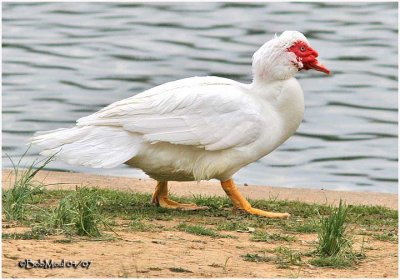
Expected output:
{"points": [[260, 236], [29, 235], [333, 261], [332, 232], [285, 257], [62, 215], [197, 230], [307, 226], [256, 258], [386, 236], [128, 205], [20, 195], [88, 211], [202, 230], [77, 212], [232, 225], [137, 225], [334, 244]]}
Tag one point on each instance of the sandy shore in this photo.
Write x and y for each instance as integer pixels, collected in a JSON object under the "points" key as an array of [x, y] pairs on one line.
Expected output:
{"points": [[67, 180]]}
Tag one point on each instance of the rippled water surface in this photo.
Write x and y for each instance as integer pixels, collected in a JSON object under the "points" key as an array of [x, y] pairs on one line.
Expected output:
{"points": [[62, 61]]}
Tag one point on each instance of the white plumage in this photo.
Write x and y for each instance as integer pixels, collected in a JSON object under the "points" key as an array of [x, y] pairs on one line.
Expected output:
{"points": [[196, 128]]}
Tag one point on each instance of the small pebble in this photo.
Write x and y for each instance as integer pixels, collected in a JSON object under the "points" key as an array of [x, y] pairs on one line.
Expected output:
{"points": [[158, 242], [247, 230]]}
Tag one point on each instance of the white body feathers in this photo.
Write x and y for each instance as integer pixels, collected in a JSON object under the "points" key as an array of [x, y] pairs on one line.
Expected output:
{"points": [[191, 129]]}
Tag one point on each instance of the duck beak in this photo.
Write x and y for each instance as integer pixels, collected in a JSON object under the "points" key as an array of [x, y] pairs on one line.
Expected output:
{"points": [[316, 65]]}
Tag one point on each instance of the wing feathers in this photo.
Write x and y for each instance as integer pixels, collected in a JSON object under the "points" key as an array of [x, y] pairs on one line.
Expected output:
{"points": [[210, 113], [90, 145], [215, 116]]}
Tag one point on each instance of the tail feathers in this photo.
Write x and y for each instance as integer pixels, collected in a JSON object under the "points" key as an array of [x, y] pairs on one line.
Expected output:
{"points": [[94, 146]]}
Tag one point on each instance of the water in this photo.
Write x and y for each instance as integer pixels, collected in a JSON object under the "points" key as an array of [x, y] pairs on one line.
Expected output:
{"points": [[62, 61]]}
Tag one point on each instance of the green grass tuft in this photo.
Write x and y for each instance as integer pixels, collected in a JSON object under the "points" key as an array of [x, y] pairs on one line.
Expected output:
{"points": [[62, 216], [197, 230], [386, 236], [307, 226], [89, 215], [22, 236], [260, 236], [79, 212], [20, 195], [213, 202], [334, 261], [285, 257], [334, 245], [256, 258], [332, 233], [137, 225], [232, 225]]}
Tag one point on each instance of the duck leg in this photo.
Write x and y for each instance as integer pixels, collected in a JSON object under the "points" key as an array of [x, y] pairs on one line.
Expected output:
{"points": [[241, 203], [160, 197]]}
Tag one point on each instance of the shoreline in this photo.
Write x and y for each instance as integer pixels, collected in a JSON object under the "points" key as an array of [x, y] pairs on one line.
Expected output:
{"points": [[69, 180]]}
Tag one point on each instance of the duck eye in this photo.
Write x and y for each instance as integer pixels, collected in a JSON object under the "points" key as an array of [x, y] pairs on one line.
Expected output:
{"points": [[302, 48]]}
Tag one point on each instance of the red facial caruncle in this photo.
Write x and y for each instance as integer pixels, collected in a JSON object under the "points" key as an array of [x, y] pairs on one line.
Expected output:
{"points": [[308, 57]]}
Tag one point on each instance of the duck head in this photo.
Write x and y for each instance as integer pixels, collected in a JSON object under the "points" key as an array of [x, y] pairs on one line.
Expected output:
{"points": [[282, 57]]}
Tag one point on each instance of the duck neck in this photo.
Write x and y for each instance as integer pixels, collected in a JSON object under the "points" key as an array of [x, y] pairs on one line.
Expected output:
{"points": [[272, 63]]}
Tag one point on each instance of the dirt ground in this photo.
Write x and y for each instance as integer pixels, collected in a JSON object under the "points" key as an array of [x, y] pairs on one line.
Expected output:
{"points": [[177, 254], [170, 253]]}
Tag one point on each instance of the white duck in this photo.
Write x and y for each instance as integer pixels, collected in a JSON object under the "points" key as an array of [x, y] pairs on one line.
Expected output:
{"points": [[197, 128]]}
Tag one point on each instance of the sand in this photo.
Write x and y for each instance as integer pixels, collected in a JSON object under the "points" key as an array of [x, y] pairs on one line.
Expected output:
{"points": [[156, 254], [175, 254]]}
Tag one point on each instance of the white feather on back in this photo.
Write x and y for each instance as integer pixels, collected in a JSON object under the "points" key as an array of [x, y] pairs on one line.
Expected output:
{"points": [[211, 113]]}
